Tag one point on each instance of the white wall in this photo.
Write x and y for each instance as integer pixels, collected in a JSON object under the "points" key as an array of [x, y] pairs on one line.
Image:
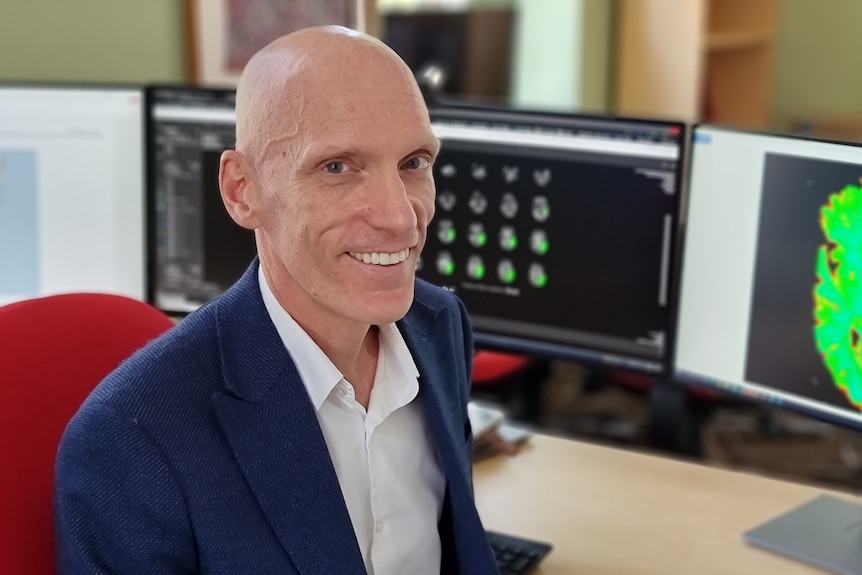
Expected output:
{"points": [[561, 54]]}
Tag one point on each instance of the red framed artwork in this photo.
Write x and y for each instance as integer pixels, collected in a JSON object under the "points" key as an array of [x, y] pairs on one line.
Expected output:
{"points": [[224, 34]]}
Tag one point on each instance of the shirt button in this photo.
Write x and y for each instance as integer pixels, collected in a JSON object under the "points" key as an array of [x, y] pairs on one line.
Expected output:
{"points": [[378, 527]]}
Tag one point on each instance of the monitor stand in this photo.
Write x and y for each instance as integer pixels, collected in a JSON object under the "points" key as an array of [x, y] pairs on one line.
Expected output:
{"points": [[826, 532], [674, 425]]}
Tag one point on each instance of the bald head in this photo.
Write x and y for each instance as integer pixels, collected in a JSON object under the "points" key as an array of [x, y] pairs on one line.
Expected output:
{"points": [[307, 68], [333, 172]]}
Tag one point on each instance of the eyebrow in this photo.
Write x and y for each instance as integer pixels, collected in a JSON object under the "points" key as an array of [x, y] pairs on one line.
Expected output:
{"points": [[432, 143], [319, 154]]}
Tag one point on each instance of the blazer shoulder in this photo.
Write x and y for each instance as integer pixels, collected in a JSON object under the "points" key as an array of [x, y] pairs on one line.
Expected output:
{"points": [[433, 297], [166, 368]]}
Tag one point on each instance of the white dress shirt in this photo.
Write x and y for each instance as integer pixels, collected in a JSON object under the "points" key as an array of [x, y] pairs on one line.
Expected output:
{"points": [[384, 459]]}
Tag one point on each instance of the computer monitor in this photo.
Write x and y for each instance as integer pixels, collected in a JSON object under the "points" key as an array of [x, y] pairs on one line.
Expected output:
{"points": [[558, 231], [769, 306], [71, 190], [196, 250], [770, 301]]}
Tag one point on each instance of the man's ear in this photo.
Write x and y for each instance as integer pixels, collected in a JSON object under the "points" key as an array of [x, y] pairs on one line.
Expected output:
{"points": [[238, 189]]}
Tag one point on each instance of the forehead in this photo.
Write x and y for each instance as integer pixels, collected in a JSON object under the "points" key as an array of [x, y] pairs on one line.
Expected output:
{"points": [[358, 106], [370, 111]]}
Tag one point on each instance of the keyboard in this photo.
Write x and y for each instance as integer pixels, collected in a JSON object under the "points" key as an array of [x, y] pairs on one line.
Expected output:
{"points": [[516, 555]]}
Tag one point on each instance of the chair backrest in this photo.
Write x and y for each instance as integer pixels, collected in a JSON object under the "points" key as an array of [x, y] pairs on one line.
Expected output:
{"points": [[490, 367], [53, 352]]}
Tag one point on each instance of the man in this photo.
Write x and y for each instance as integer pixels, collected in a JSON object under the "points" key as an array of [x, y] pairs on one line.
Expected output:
{"points": [[290, 425]]}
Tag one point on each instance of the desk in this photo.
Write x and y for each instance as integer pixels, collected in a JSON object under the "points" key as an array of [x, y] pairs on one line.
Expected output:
{"points": [[610, 511]]}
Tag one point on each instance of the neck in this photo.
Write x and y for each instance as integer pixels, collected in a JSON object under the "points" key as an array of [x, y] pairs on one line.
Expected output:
{"points": [[355, 358], [361, 369], [351, 346]]}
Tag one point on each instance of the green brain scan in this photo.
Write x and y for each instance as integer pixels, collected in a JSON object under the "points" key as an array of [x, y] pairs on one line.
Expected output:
{"points": [[838, 291]]}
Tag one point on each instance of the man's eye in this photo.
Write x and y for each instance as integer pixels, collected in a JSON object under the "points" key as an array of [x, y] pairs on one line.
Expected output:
{"points": [[417, 163], [335, 167]]}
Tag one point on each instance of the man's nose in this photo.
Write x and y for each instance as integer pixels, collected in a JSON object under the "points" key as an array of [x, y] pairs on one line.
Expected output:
{"points": [[389, 205]]}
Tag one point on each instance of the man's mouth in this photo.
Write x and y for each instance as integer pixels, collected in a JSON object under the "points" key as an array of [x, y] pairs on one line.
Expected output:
{"points": [[381, 258]]}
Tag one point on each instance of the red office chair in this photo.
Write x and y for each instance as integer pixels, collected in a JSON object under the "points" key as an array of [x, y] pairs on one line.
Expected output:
{"points": [[513, 378], [53, 351], [489, 367]]}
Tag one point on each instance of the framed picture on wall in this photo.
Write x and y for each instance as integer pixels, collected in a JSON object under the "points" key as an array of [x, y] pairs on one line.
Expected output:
{"points": [[224, 34]]}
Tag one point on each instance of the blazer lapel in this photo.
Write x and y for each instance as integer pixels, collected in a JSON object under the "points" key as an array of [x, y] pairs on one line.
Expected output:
{"points": [[444, 398], [272, 429], [438, 388]]}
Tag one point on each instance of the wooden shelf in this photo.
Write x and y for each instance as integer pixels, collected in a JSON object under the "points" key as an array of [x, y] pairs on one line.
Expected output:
{"points": [[718, 67], [743, 40]]}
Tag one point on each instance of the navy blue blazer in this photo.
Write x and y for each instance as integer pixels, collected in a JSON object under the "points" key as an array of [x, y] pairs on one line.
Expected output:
{"points": [[202, 453]]}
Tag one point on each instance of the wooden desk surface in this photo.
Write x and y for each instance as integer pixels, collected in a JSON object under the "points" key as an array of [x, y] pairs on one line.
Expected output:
{"points": [[610, 511]]}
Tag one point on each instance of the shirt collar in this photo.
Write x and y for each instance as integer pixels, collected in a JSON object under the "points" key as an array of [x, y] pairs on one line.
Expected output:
{"points": [[318, 373]]}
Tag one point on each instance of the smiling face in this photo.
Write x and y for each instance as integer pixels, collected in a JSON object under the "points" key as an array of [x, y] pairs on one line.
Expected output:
{"points": [[345, 189]]}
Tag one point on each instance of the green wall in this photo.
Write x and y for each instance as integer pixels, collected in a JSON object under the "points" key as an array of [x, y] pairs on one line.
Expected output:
{"points": [[818, 68], [137, 41]]}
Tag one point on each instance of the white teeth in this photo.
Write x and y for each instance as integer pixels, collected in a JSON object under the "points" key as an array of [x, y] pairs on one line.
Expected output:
{"points": [[382, 258]]}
